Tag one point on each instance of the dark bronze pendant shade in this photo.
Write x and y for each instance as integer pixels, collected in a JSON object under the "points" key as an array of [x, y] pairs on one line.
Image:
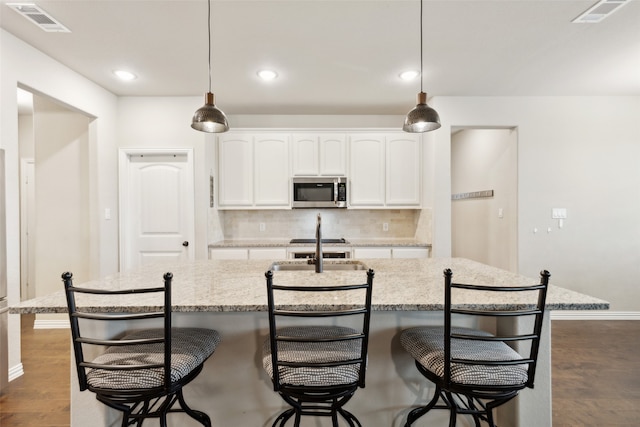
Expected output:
{"points": [[422, 118], [209, 118]]}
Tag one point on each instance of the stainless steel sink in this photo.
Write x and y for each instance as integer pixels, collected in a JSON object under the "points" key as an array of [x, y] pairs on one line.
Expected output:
{"points": [[328, 266]]}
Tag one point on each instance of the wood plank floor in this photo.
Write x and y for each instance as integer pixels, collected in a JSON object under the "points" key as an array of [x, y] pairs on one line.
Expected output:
{"points": [[596, 373], [596, 376], [40, 397]]}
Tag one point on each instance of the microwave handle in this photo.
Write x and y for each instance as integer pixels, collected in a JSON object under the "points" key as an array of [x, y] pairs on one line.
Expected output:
{"points": [[335, 192]]}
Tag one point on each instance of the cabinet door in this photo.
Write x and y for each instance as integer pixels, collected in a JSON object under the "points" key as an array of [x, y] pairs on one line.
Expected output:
{"points": [[228, 253], [403, 172], [367, 156], [304, 155], [235, 170], [268, 253], [319, 154], [365, 252], [271, 170], [410, 252], [333, 155]]}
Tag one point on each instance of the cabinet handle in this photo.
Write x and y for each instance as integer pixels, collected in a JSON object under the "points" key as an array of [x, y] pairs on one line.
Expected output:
{"points": [[185, 243]]}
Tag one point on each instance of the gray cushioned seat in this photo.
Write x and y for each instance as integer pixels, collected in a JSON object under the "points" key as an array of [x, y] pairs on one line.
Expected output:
{"points": [[316, 352], [190, 348], [426, 345]]}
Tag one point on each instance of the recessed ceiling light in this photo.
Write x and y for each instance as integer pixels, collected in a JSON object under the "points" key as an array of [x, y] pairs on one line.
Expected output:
{"points": [[125, 75], [409, 75], [267, 75]]}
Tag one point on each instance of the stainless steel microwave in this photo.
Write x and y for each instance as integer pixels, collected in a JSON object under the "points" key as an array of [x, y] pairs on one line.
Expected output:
{"points": [[319, 192]]}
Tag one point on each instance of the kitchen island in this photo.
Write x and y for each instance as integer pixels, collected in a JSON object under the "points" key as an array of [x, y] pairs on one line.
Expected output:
{"points": [[230, 296]]}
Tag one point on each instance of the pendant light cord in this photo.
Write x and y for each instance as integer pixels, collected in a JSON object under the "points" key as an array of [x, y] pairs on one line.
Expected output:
{"points": [[421, 59], [209, 33]]}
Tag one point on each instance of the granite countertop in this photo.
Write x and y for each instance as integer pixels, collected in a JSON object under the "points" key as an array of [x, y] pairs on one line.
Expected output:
{"points": [[270, 243], [239, 286]]}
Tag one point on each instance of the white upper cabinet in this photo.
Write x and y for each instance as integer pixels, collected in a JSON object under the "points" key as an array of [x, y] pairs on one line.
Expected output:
{"points": [[235, 170], [367, 172], [333, 154], [253, 171], [304, 155], [316, 154], [403, 172], [385, 170], [271, 170]]}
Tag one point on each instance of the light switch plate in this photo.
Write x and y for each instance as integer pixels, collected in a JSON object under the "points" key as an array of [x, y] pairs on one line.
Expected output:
{"points": [[559, 213]]}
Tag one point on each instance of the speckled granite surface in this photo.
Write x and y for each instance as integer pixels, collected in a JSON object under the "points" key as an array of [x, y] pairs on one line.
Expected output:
{"points": [[239, 286], [270, 243]]}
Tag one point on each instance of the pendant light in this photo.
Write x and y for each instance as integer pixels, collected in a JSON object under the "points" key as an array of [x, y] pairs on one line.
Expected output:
{"points": [[209, 118], [422, 118]]}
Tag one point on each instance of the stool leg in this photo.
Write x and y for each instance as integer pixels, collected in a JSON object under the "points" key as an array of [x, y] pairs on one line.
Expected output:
{"points": [[199, 416], [420, 411], [334, 418]]}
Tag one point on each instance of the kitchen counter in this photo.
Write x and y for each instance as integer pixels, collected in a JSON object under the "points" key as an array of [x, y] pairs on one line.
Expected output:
{"points": [[271, 243], [239, 286], [230, 296]]}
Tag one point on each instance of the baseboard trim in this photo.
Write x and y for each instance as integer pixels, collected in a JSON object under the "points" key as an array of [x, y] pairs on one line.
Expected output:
{"points": [[51, 324], [594, 315], [16, 371]]}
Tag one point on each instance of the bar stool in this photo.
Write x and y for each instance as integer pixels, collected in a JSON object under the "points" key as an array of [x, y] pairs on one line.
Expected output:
{"points": [[475, 371], [138, 372], [318, 360]]}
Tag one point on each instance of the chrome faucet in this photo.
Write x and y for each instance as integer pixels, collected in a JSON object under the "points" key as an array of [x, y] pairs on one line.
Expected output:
{"points": [[318, 258]]}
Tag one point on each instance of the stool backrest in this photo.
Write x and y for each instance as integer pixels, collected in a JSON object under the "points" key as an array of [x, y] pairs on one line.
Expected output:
{"points": [[530, 305], [319, 305], [93, 335]]}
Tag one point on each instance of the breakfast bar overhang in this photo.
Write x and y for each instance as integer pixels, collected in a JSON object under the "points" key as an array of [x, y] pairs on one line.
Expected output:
{"points": [[230, 296]]}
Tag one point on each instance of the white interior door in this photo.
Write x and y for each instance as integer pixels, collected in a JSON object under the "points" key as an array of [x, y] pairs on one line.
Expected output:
{"points": [[157, 207]]}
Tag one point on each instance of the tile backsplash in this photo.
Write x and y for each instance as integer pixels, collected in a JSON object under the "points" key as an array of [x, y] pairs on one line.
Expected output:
{"points": [[336, 223]]}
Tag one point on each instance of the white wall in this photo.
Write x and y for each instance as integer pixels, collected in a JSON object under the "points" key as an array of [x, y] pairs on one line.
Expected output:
{"points": [[485, 229], [579, 153], [61, 195], [27, 228], [22, 65], [162, 122], [165, 122], [572, 160], [308, 121]]}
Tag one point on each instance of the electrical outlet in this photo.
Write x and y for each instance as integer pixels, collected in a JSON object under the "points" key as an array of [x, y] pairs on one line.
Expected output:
{"points": [[385, 226], [263, 226]]}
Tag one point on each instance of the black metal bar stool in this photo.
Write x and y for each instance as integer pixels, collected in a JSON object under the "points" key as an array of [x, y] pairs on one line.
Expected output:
{"points": [[475, 371], [318, 360], [139, 372]]}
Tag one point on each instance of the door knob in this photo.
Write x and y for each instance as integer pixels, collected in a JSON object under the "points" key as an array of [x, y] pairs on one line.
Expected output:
{"points": [[185, 243]]}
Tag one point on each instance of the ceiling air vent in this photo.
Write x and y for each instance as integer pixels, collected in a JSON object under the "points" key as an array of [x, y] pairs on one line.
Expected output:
{"points": [[599, 11], [39, 17]]}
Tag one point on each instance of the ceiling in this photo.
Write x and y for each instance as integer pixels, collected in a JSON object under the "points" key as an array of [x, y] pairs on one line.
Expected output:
{"points": [[341, 56]]}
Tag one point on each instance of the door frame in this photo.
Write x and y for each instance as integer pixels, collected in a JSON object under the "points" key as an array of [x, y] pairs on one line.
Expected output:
{"points": [[511, 262], [27, 228], [124, 154]]}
